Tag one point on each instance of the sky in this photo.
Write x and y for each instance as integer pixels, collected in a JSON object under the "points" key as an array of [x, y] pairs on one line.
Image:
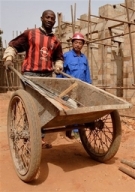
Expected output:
{"points": [[16, 16]]}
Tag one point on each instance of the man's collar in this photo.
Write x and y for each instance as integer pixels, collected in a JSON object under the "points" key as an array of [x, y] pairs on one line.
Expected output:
{"points": [[75, 55], [42, 29]]}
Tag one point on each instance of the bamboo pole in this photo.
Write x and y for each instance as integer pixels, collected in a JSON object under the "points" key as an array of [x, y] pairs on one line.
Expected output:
{"points": [[95, 40], [129, 163], [87, 20], [16, 33], [5, 44], [128, 7], [88, 44], [128, 172], [91, 48], [122, 34], [3, 49], [131, 40], [106, 45], [72, 19], [112, 19], [114, 26], [59, 24], [103, 54], [13, 34], [93, 45], [68, 23], [88, 30], [74, 16]]}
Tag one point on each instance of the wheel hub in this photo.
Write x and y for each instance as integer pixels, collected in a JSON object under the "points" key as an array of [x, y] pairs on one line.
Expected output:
{"points": [[99, 124]]}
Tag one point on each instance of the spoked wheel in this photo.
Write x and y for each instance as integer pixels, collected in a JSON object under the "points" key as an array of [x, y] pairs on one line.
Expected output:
{"points": [[101, 139], [24, 135]]}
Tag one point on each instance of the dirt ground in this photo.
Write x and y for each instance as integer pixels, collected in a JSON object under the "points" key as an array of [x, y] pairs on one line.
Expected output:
{"points": [[66, 167]]}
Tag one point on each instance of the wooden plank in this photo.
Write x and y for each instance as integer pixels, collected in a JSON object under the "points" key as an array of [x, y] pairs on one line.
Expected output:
{"points": [[68, 90]]}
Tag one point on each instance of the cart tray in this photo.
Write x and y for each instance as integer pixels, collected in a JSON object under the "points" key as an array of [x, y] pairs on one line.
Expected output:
{"points": [[82, 103]]}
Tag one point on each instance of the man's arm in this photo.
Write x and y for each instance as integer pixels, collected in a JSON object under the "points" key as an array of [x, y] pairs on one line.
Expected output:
{"points": [[19, 44], [8, 56], [58, 59], [9, 53]]}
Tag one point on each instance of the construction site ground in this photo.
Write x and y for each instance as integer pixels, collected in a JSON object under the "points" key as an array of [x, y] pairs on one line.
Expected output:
{"points": [[66, 167]]}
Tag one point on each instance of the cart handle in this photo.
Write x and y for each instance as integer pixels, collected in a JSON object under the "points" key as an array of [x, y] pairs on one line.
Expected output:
{"points": [[17, 73], [66, 75], [43, 91]]}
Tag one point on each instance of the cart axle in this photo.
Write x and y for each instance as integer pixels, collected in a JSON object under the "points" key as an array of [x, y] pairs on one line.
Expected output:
{"points": [[61, 128]]}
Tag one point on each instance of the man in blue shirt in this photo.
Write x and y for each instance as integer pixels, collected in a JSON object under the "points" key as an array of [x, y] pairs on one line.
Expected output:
{"points": [[76, 64]]}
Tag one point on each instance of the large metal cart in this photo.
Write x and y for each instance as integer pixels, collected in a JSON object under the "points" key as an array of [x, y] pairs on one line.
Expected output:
{"points": [[57, 104]]}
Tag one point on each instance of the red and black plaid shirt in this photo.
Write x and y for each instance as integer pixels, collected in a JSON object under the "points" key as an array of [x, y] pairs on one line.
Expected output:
{"points": [[41, 49]]}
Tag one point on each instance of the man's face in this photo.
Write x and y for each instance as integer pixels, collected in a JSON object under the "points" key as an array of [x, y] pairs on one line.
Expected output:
{"points": [[48, 20], [77, 45]]}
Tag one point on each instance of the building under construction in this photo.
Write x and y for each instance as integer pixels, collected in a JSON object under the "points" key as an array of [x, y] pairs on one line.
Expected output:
{"points": [[110, 47]]}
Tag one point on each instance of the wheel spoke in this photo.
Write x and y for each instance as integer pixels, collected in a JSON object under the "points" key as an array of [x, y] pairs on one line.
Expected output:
{"points": [[20, 136], [99, 139], [99, 136], [24, 134]]}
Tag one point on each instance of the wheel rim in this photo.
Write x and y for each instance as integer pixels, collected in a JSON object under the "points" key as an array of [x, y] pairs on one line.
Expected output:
{"points": [[19, 136], [99, 135]]}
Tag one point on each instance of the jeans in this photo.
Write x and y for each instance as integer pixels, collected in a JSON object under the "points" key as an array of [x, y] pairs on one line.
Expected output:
{"points": [[75, 130], [39, 74]]}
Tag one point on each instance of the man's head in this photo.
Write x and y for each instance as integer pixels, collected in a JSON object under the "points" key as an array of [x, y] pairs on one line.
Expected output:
{"points": [[48, 20], [77, 42]]}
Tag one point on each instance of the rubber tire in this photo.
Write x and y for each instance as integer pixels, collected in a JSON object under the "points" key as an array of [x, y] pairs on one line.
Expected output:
{"points": [[116, 125], [35, 133]]}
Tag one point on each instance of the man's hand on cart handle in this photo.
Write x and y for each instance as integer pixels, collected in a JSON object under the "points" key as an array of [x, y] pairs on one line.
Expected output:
{"points": [[8, 63], [8, 56], [58, 67]]}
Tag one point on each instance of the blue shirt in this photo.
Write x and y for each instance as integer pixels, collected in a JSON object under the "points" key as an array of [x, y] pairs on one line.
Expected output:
{"points": [[76, 66]]}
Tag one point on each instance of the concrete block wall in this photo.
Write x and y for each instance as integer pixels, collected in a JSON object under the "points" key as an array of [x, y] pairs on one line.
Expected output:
{"points": [[111, 10], [129, 74]]}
